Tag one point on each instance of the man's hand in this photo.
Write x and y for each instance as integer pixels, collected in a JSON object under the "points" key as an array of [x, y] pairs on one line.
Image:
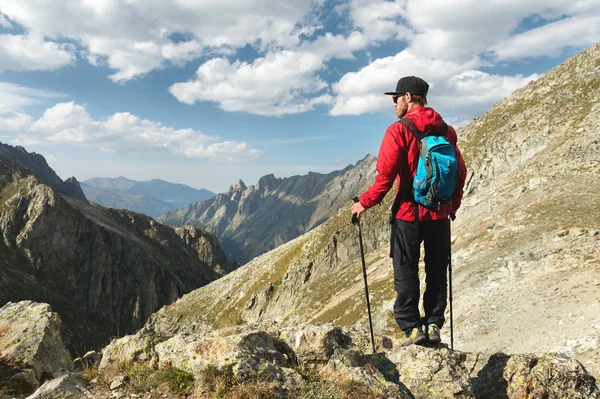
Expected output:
{"points": [[357, 209]]}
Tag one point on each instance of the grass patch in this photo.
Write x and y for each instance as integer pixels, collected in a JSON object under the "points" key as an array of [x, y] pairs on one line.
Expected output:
{"points": [[10, 190], [142, 378], [180, 382], [220, 382]]}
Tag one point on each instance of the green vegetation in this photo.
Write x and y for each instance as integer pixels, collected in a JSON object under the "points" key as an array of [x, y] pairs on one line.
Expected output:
{"points": [[10, 190], [180, 382], [221, 382], [143, 378]]}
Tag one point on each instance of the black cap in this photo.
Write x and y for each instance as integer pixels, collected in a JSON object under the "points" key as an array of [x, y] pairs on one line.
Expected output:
{"points": [[412, 85]]}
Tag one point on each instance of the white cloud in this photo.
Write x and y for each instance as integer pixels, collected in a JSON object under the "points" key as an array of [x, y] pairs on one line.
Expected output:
{"points": [[472, 88], [70, 123], [379, 20], [278, 84], [294, 43], [459, 30], [362, 91], [17, 96], [551, 38], [32, 52], [451, 40], [134, 37], [454, 87], [12, 121]]}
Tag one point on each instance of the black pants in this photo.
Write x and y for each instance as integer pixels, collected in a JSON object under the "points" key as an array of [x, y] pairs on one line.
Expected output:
{"points": [[407, 238]]}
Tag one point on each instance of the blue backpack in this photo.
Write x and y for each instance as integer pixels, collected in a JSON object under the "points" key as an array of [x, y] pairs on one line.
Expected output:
{"points": [[437, 169]]}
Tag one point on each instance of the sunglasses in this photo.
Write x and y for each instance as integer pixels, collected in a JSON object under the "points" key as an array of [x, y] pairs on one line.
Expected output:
{"points": [[395, 98]]}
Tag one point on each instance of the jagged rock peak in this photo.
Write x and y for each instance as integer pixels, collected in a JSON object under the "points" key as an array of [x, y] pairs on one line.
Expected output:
{"points": [[368, 159], [237, 187], [268, 182], [38, 165], [73, 188]]}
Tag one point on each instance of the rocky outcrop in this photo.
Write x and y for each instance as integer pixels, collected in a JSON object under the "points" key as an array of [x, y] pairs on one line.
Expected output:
{"points": [[31, 349], [38, 165], [207, 248], [252, 220], [105, 271], [313, 359]]}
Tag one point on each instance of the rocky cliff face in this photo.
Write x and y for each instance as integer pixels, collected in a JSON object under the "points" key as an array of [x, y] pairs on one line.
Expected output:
{"points": [[526, 244], [252, 220], [38, 165], [104, 271]]}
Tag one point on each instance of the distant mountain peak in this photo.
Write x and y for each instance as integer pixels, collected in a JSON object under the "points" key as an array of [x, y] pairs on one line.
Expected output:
{"points": [[38, 165], [239, 186]]}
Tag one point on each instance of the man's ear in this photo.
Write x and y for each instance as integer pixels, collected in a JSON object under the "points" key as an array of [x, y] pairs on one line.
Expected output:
{"points": [[409, 96]]}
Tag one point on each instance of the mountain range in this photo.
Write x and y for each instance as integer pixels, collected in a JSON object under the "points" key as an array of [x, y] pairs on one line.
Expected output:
{"points": [[153, 198], [105, 271], [249, 221]]}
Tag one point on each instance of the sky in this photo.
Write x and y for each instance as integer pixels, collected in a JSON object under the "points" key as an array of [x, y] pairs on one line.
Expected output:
{"points": [[206, 92]]}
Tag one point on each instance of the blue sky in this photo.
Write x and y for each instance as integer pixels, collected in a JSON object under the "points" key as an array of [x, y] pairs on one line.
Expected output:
{"points": [[208, 92]]}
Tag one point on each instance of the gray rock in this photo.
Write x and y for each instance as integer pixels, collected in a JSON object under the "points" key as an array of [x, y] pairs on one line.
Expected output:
{"points": [[69, 386], [30, 338]]}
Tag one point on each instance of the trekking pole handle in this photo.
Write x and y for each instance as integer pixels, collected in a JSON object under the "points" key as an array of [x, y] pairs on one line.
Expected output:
{"points": [[452, 216], [355, 219]]}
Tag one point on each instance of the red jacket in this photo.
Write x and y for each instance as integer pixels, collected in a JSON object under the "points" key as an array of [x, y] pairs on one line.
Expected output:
{"points": [[398, 157]]}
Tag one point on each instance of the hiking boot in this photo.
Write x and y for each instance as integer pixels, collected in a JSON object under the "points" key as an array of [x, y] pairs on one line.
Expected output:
{"points": [[415, 336], [433, 332]]}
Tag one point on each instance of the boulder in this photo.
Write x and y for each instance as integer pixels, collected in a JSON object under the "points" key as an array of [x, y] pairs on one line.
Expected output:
{"points": [[30, 339], [313, 344], [531, 376], [427, 371], [69, 386]]}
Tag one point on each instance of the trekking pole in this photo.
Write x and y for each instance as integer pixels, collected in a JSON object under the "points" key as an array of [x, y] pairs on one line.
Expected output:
{"points": [[452, 217], [356, 221]]}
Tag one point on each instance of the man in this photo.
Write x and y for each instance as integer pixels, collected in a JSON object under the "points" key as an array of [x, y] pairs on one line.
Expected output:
{"points": [[414, 223]]}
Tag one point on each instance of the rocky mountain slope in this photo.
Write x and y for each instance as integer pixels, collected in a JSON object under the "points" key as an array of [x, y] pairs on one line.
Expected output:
{"points": [[105, 271], [300, 362], [526, 244], [252, 220], [153, 198], [37, 163]]}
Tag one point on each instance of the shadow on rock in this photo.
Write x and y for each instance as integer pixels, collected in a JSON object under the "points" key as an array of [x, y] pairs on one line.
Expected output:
{"points": [[490, 382], [389, 371]]}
